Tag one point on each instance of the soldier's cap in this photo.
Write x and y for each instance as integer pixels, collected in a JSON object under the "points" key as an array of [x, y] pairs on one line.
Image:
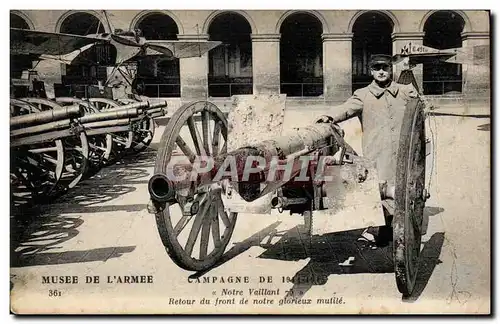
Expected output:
{"points": [[380, 59]]}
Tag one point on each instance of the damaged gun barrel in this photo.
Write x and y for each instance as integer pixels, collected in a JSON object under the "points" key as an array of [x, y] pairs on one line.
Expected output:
{"points": [[287, 148]]}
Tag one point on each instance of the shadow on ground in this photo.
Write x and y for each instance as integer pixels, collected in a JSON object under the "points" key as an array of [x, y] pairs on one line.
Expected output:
{"points": [[482, 115], [333, 254], [38, 241], [38, 232], [108, 184], [484, 127]]}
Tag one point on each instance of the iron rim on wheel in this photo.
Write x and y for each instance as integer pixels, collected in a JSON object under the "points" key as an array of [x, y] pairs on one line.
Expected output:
{"points": [[194, 242], [35, 169], [410, 200], [76, 158]]}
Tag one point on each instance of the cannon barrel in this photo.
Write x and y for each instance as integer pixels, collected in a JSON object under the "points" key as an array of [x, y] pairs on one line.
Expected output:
{"points": [[312, 137], [109, 115], [160, 104], [284, 149], [135, 105], [59, 124], [287, 147], [161, 188], [108, 123], [155, 111], [46, 116], [158, 114]]}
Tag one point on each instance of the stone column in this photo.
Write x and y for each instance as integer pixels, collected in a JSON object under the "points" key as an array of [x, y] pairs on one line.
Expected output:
{"points": [[266, 63], [476, 74], [194, 72], [337, 66], [398, 41]]}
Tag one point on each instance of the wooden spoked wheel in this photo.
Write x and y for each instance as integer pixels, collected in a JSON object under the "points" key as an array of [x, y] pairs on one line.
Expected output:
{"points": [[42, 103], [410, 197], [120, 141], [104, 103], [143, 130], [19, 107], [36, 169], [101, 146], [76, 158], [104, 145], [195, 241]]}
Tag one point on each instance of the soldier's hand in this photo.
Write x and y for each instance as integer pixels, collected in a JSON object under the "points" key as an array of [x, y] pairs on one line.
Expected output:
{"points": [[324, 119], [330, 120]]}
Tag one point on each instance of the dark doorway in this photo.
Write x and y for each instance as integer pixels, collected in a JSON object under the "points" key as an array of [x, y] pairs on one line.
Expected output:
{"points": [[18, 22], [19, 63], [442, 31], [372, 35], [76, 78], [301, 56], [230, 64], [159, 76]]}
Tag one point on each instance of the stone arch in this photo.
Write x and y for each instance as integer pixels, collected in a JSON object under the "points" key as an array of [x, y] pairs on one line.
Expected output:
{"points": [[94, 13], [145, 13], [467, 22], [314, 13], [301, 55], [25, 17], [157, 76], [76, 78], [372, 34], [388, 14], [443, 29], [230, 70], [214, 14]]}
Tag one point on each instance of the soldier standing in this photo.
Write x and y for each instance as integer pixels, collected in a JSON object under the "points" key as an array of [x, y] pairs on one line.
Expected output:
{"points": [[380, 106]]}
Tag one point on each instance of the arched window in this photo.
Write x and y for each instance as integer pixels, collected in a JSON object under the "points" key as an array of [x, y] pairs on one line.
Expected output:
{"points": [[442, 31], [91, 67], [19, 63], [372, 35], [17, 21], [159, 76], [301, 56]]}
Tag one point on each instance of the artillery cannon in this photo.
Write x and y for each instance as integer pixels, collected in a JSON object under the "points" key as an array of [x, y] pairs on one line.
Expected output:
{"points": [[47, 153], [191, 195], [56, 144]]}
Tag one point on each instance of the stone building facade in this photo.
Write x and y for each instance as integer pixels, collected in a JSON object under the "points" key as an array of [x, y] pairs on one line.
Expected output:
{"points": [[309, 55]]}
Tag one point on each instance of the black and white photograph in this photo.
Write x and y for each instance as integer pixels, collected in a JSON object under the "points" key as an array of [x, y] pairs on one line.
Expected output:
{"points": [[245, 161]]}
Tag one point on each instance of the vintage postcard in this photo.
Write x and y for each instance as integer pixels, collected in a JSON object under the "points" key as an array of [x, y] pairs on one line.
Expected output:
{"points": [[250, 162]]}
